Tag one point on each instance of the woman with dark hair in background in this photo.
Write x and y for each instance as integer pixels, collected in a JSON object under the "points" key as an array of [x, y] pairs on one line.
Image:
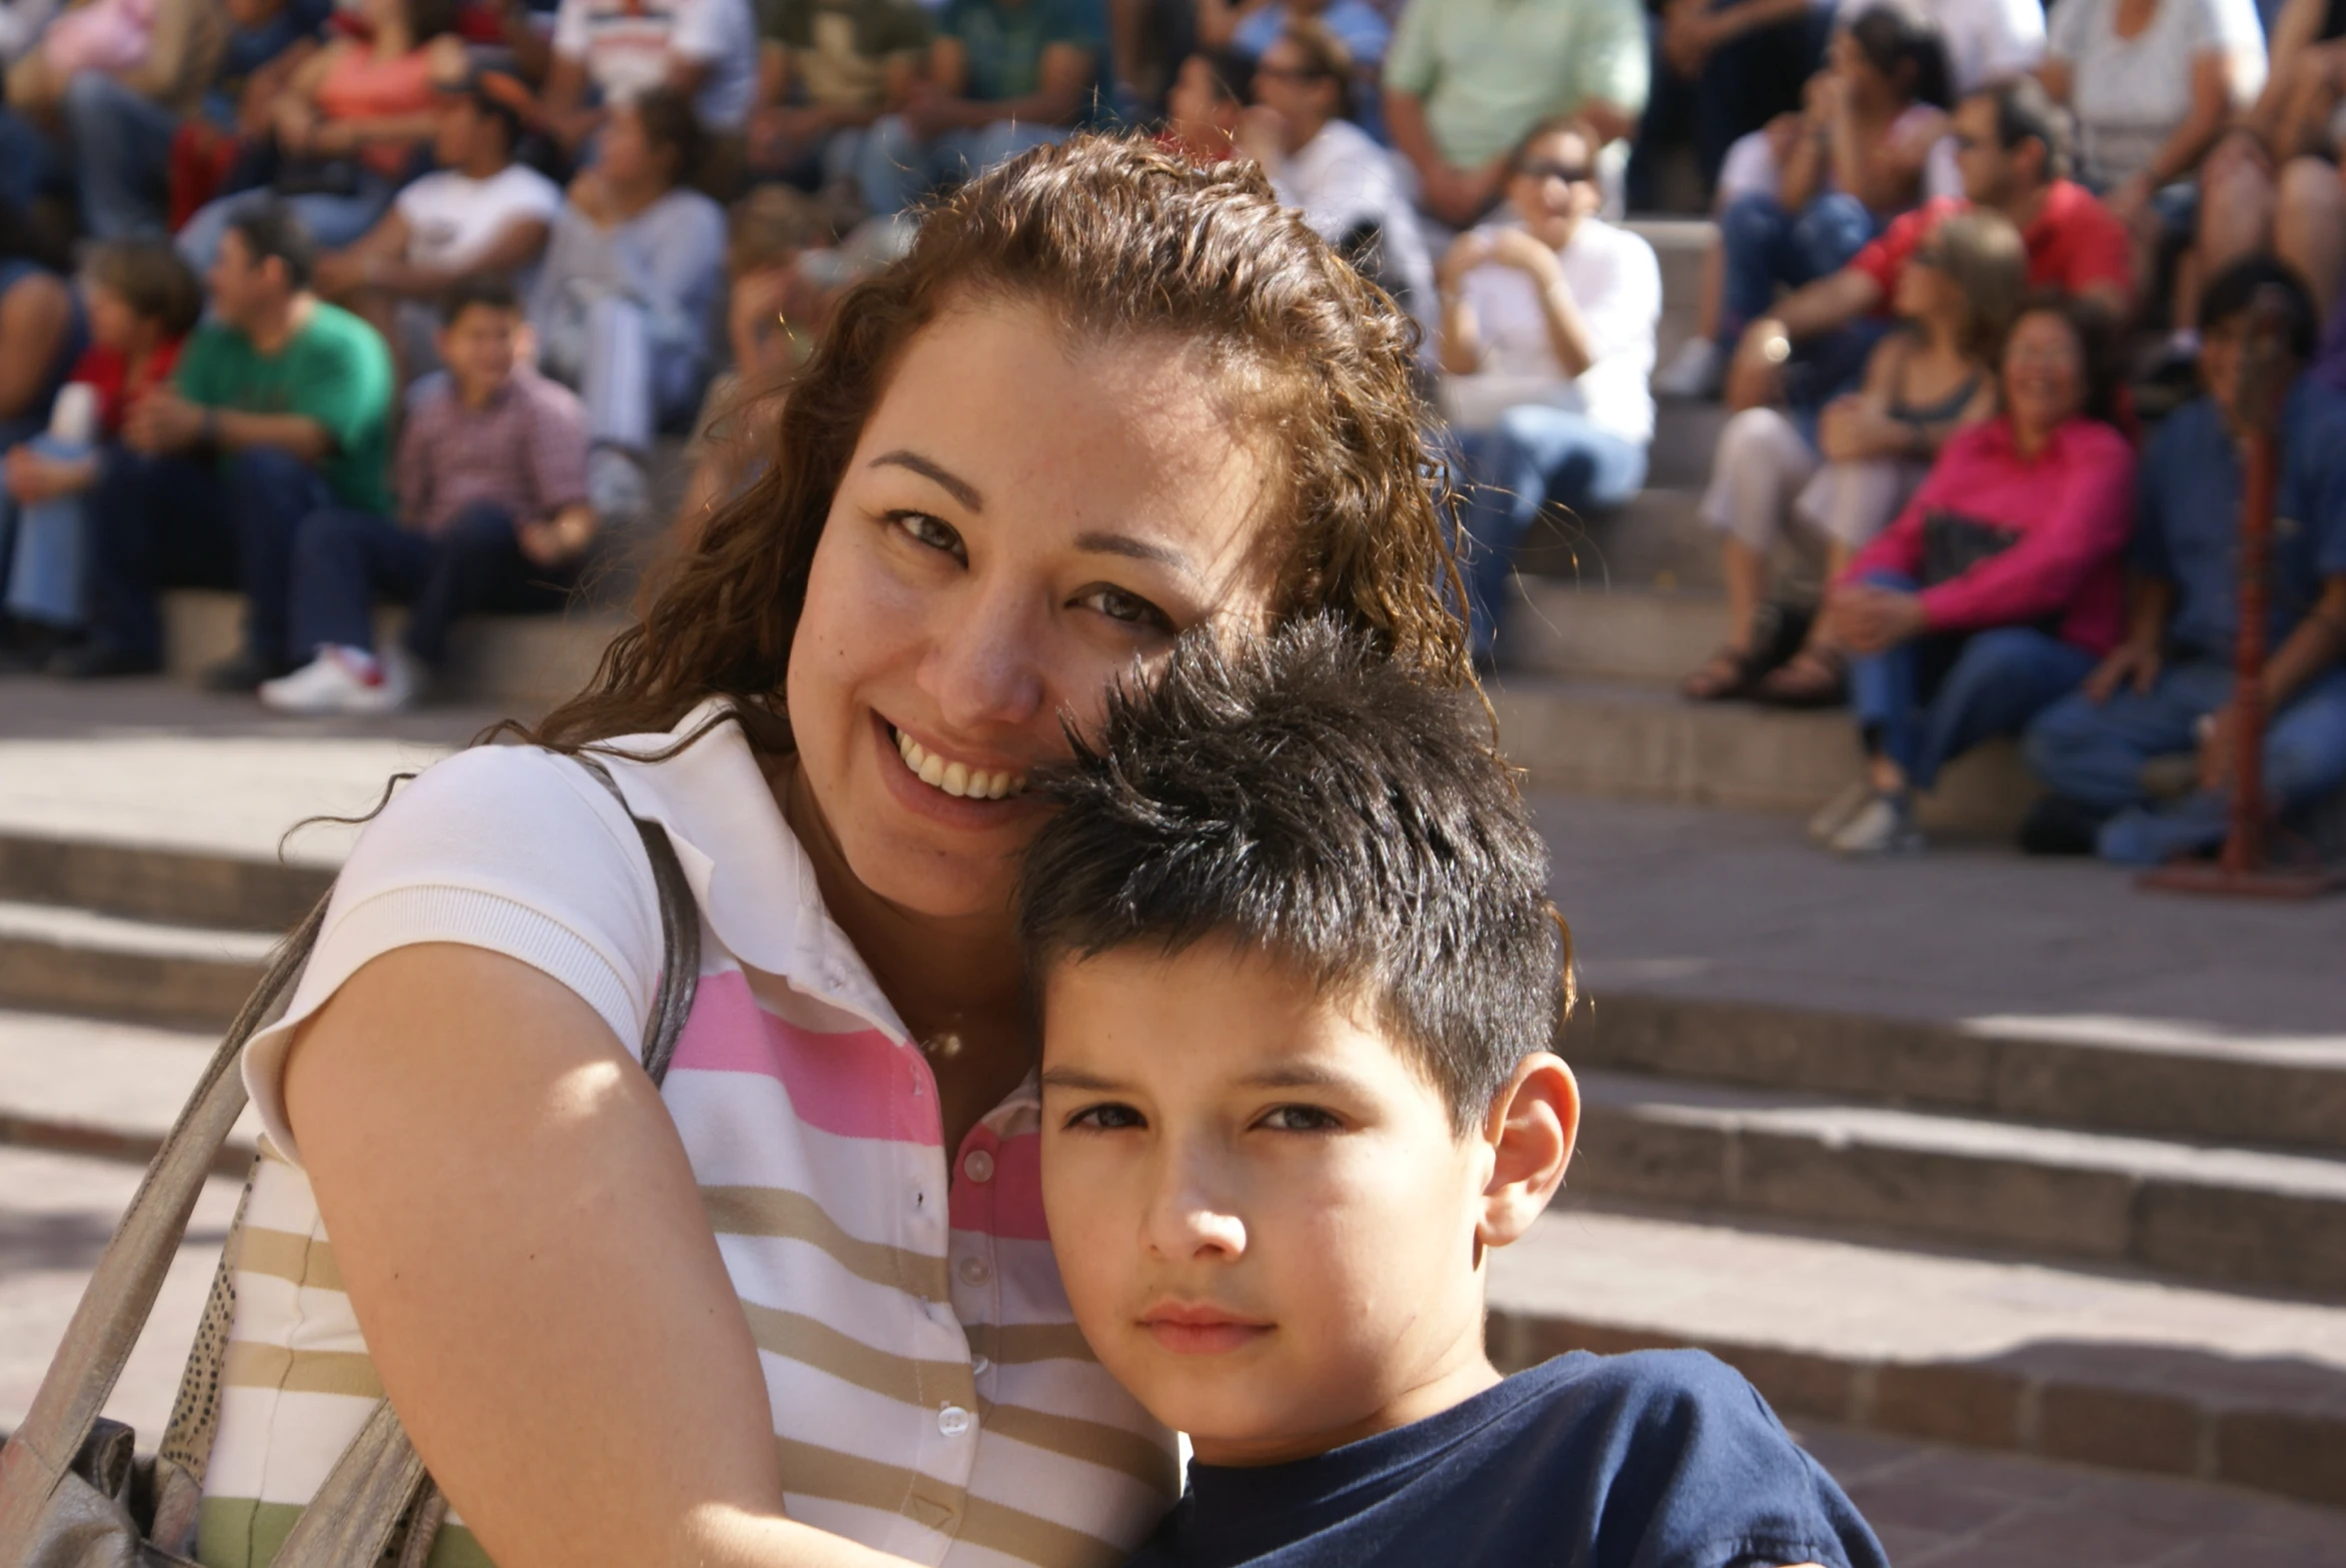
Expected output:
{"points": [[1798, 198], [349, 128], [624, 303], [796, 1306], [1998, 589]]}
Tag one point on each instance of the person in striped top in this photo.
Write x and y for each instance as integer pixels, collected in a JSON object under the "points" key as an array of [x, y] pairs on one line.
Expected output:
{"points": [[798, 1307], [1299, 974]]}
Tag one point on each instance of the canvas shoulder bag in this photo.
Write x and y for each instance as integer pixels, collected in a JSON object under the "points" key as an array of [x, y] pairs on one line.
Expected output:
{"points": [[74, 1491]]}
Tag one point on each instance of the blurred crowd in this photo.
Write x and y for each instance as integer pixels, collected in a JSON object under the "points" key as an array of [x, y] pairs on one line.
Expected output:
{"points": [[393, 300]]}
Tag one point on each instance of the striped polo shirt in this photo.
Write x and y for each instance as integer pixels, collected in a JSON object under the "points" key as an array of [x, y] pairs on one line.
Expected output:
{"points": [[932, 1396]]}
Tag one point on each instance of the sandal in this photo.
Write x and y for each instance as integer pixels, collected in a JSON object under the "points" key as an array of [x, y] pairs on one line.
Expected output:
{"points": [[1812, 678], [1729, 674]]}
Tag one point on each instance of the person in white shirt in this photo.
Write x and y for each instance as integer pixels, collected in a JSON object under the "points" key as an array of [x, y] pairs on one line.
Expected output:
{"points": [[1988, 40], [480, 213], [614, 51], [1301, 130], [1547, 325]]}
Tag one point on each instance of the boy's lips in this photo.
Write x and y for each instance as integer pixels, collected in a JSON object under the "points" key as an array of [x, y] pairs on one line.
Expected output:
{"points": [[1199, 1330]]}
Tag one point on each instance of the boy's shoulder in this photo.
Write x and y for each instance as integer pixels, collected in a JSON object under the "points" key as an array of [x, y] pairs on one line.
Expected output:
{"points": [[1665, 1458]]}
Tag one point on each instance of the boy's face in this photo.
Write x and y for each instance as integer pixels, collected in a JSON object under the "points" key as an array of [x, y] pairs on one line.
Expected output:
{"points": [[1267, 1228], [479, 347]]}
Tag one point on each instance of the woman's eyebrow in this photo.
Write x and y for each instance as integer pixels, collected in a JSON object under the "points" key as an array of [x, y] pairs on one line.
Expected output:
{"points": [[1136, 550], [944, 478]]}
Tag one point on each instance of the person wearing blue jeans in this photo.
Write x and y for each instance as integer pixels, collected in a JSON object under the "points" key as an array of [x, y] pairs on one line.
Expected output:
{"points": [[1763, 245], [2166, 691], [1534, 457], [120, 141], [895, 168], [159, 521]]}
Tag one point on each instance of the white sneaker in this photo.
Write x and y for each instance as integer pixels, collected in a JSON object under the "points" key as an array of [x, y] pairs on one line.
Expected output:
{"points": [[1883, 825], [344, 681], [1835, 814], [1695, 372]]}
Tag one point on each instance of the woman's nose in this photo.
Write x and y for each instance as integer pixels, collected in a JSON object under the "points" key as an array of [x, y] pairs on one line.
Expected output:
{"points": [[985, 668]]}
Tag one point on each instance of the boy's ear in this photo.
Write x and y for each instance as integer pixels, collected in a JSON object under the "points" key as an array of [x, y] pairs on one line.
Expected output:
{"points": [[1530, 1128]]}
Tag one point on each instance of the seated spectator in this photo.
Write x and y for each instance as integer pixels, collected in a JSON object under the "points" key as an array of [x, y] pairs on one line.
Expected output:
{"points": [[1998, 588], [1988, 41], [2011, 145], [493, 516], [1202, 111], [1248, 28], [1721, 70], [481, 215], [1466, 80], [2167, 691], [2154, 84], [1872, 448], [825, 70], [112, 78], [2272, 184], [349, 129], [41, 334], [1546, 337], [625, 305], [1301, 132], [280, 404], [162, 170], [142, 303], [611, 52], [1801, 197], [1004, 76]]}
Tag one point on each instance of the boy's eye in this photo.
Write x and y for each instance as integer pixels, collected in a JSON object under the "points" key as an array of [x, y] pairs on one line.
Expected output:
{"points": [[1300, 1118], [923, 528], [1130, 609], [1108, 1118]]}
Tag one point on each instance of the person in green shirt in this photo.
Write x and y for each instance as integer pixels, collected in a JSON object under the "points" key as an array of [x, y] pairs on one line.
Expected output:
{"points": [[280, 406], [1465, 80]]}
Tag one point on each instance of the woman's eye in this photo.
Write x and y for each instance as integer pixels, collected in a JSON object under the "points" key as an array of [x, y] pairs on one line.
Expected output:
{"points": [[1130, 609], [1300, 1118], [1108, 1118], [923, 528]]}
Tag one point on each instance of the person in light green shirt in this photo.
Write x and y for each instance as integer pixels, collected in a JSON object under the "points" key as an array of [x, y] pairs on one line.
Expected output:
{"points": [[1465, 80], [280, 406]]}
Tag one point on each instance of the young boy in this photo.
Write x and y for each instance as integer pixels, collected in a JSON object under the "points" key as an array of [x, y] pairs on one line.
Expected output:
{"points": [[1299, 974]]}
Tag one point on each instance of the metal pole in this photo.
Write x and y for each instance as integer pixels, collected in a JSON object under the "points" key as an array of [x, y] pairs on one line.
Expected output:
{"points": [[2264, 386]]}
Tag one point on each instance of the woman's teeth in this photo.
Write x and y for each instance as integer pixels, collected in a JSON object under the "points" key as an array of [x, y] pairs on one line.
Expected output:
{"points": [[960, 778]]}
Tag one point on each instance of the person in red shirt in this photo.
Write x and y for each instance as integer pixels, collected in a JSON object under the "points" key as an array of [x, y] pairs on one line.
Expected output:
{"points": [[2011, 141], [142, 300]]}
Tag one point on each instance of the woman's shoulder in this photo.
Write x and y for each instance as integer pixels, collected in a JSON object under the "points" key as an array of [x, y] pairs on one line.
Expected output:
{"points": [[2089, 441], [516, 817]]}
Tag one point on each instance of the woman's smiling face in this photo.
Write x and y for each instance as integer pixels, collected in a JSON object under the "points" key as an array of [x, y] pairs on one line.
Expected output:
{"points": [[1024, 517]]}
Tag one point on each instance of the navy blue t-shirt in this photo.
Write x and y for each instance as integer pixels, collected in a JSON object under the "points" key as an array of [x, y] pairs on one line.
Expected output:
{"points": [[1658, 1459]]}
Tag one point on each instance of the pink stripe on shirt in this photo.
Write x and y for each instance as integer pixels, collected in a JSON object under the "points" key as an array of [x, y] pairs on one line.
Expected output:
{"points": [[850, 1085], [1008, 1204]]}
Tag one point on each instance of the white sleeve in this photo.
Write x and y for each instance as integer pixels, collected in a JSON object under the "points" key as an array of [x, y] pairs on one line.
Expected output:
{"points": [[509, 848], [570, 33], [1622, 317], [2068, 28], [708, 29]]}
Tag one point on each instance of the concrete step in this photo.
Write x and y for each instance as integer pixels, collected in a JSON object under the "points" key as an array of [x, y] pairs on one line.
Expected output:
{"points": [[2103, 1074], [104, 1088], [152, 882], [2247, 1217], [1644, 741], [1658, 541], [2100, 1366], [74, 961], [1564, 627]]}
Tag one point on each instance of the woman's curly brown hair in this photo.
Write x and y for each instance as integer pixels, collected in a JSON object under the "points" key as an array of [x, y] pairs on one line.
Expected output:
{"points": [[1118, 239]]}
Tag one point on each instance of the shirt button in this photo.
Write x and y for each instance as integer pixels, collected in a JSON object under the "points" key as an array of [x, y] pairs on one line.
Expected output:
{"points": [[978, 1166], [953, 1420], [980, 1367], [974, 1272]]}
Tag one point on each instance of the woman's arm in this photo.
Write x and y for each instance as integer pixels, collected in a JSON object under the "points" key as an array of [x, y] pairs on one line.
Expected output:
{"points": [[525, 1247], [35, 314], [2086, 522], [2179, 153]]}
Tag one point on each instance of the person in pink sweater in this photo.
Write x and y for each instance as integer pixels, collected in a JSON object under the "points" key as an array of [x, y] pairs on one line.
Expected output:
{"points": [[1999, 587]]}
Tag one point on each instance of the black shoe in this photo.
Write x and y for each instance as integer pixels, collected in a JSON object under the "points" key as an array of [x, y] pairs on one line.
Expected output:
{"points": [[97, 661], [243, 671], [2057, 825]]}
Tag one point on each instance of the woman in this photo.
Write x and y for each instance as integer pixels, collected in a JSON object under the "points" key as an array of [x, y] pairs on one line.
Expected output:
{"points": [[2154, 84], [1998, 588], [1956, 297], [1546, 338], [1797, 199], [626, 302], [349, 127], [1107, 397]]}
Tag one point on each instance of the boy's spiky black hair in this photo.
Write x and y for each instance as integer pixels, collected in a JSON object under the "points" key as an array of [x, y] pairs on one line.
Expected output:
{"points": [[1307, 796]]}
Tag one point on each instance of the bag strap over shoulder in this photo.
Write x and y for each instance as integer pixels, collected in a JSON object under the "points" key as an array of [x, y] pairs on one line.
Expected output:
{"points": [[378, 1479]]}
